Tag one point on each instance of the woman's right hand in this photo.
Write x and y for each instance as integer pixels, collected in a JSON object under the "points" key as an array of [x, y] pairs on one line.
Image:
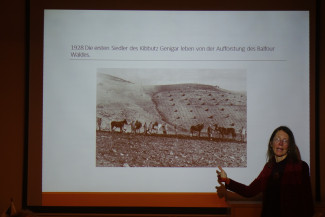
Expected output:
{"points": [[222, 175]]}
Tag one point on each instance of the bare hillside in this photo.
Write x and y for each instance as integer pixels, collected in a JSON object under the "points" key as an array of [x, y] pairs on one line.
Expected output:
{"points": [[178, 106]]}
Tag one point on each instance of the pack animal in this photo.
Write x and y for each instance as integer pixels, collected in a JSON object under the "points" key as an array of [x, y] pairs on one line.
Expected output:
{"points": [[155, 127], [223, 131], [135, 126], [118, 124], [196, 128]]}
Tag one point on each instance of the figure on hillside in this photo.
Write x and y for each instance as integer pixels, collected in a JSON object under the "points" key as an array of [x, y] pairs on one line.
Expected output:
{"points": [[99, 123], [209, 131]]}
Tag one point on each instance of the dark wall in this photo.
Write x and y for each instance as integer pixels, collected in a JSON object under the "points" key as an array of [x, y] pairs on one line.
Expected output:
{"points": [[13, 100]]}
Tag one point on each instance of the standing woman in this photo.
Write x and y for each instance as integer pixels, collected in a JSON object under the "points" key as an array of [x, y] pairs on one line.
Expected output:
{"points": [[284, 180]]}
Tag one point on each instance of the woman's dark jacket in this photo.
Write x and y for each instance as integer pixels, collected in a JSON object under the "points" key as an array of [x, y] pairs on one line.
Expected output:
{"points": [[285, 186]]}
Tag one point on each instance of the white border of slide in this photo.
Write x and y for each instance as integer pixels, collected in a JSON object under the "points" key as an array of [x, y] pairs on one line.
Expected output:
{"points": [[275, 58]]}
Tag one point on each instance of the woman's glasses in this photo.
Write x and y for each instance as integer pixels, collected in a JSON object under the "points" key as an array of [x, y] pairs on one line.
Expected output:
{"points": [[278, 140]]}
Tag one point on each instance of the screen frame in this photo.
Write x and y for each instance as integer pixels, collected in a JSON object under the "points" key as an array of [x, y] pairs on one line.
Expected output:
{"points": [[35, 14]]}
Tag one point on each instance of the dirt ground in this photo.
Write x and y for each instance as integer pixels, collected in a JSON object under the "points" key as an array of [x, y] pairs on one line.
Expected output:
{"points": [[116, 149]]}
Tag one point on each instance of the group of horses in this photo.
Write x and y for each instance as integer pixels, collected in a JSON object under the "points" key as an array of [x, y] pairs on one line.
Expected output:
{"points": [[155, 127], [151, 128], [223, 132]]}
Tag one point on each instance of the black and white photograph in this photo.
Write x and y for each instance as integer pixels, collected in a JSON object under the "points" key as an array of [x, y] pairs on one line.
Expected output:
{"points": [[171, 118]]}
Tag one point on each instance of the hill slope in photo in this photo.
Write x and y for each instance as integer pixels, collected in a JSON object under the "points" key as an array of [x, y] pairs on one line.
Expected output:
{"points": [[178, 106]]}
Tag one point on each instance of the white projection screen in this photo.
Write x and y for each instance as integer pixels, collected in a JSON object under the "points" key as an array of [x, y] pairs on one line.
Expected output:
{"points": [[140, 106]]}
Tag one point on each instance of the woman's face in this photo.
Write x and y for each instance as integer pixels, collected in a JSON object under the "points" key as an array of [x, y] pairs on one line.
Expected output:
{"points": [[280, 145]]}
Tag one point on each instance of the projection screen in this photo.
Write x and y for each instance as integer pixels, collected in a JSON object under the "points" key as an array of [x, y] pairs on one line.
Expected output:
{"points": [[153, 101]]}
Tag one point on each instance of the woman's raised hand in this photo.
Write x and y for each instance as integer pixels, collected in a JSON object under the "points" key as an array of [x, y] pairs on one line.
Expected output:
{"points": [[222, 175]]}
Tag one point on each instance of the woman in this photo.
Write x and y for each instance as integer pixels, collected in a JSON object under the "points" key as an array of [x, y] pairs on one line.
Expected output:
{"points": [[284, 180]]}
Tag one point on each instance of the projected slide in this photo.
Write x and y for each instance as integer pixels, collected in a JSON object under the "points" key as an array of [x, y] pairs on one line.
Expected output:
{"points": [[154, 101]]}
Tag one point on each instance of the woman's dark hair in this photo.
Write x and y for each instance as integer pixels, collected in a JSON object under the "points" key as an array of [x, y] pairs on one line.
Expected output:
{"points": [[293, 151]]}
